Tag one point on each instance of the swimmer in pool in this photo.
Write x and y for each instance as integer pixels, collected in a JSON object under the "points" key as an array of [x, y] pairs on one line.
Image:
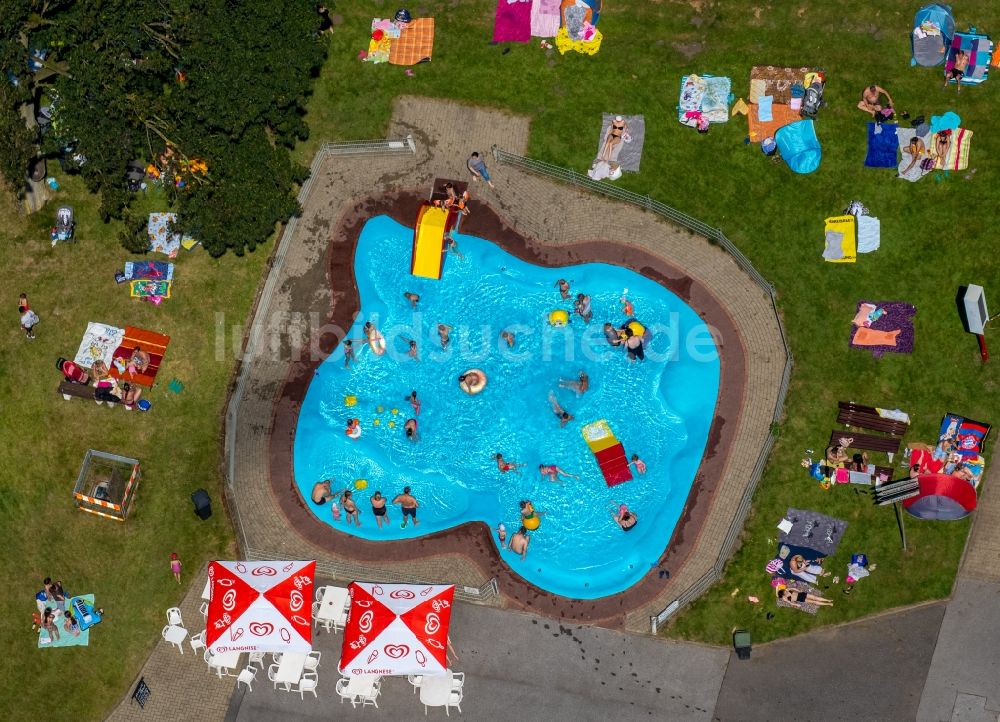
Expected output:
{"points": [[519, 543], [553, 472], [580, 385], [444, 332], [410, 427], [378, 509], [452, 246], [470, 379], [409, 504], [563, 285], [350, 508], [582, 307], [528, 510], [321, 492], [564, 416], [625, 519], [627, 308], [413, 298], [639, 464], [348, 352], [508, 337], [611, 334], [504, 466], [412, 351], [414, 402]]}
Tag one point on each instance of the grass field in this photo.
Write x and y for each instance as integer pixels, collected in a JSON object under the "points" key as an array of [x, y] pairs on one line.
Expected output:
{"points": [[936, 235]]}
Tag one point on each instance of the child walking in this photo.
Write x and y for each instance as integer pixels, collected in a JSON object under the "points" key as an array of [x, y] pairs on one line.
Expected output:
{"points": [[175, 566], [29, 319]]}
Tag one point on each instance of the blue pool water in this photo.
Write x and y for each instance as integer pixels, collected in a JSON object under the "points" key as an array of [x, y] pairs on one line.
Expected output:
{"points": [[660, 409]]}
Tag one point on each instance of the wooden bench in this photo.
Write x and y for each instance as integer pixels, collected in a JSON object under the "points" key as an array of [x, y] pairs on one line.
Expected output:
{"points": [[80, 391], [867, 417], [867, 442]]}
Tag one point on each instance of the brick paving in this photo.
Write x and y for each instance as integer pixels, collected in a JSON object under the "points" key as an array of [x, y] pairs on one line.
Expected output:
{"points": [[444, 133], [982, 551], [182, 686]]}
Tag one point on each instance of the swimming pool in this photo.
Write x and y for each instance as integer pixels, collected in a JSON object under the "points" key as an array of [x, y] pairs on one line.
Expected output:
{"points": [[661, 408]]}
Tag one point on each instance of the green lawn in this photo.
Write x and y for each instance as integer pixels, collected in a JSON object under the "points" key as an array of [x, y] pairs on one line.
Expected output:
{"points": [[935, 236]]}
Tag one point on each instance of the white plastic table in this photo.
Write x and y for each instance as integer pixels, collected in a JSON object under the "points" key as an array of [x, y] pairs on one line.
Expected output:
{"points": [[175, 634], [435, 690], [361, 686], [333, 604], [290, 669], [225, 661]]}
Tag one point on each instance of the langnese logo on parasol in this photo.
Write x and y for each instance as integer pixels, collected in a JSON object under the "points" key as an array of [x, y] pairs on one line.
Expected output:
{"points": [[421, 658], [432, 624], [229, 600], [365, 621], [402, 594], [377, 590], [295, 600], [396, 651], [260, 629], [288, 567], [425, 591], [264, 572]]}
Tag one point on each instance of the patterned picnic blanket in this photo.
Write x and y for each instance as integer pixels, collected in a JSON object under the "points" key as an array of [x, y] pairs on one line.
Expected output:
{"points": [[897, 317], [146, 289], [775, 81], [152, 270], [99, 343], [415, 43]]}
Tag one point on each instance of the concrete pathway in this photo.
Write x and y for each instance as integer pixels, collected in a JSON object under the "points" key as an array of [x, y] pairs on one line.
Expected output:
{"points": [[520, 666]]}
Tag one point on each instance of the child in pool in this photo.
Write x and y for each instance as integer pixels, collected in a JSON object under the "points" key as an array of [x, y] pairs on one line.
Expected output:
{"points": [[502, 535]]}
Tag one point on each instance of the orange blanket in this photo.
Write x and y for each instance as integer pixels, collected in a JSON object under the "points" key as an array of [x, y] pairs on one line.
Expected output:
{"points": [[415, 43], [782, 115], [871, 337], [155, 344]]}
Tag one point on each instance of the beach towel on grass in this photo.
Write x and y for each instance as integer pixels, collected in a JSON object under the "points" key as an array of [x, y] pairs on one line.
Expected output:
{"points": [[814, 530], [869, 233], [545, 18], [628, 155], [775, 81], [957, 157], [152, 270], [781, 115], [65, 638], [798, 585], [155, 344], [146, 289], [415, 43], [513, 21], [705, 94], [903, 137], [841, 244], [882, 145], [898, 316], [99, 343]]}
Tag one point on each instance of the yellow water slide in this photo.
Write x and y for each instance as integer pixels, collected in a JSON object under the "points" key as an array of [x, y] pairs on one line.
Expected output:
{"points": [[428, 240]]}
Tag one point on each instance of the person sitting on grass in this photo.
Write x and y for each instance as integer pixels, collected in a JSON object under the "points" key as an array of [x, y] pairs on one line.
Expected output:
{"points": [[870, 98], [916, 150], [836, 456]]}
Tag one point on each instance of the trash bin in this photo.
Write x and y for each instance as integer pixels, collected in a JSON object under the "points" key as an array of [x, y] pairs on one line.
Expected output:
{"points": [[202, 504], [742, 643]]}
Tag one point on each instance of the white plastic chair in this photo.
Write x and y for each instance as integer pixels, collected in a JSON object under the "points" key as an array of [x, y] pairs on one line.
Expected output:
{"points": [[308, 683], [343, 693], [372, 697], [256, 658], [327, 624], [174, 617], [457, 681], [272, 674], [197, 641], [312, 661], [247, 677], [163, 634], [276, 657], [415, 680], [453, 701], [204, 609]]}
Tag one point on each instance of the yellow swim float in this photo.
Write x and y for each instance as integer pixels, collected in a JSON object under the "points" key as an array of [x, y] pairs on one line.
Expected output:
{"points": [[361, 484], [558, 317], [472, 381], [350, 401], [532, 522]]}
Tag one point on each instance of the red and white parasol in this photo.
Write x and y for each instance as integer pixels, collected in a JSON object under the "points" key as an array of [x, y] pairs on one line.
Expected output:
{"points": [[395, 629], [260, 606]]}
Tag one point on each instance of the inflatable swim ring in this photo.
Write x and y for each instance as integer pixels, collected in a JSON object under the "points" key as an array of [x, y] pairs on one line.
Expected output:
{"points": [[473, 389], [377, 341], [558, 317], [353, 431], [531, 523], [350, 400], [379, 409], [361, 484]]}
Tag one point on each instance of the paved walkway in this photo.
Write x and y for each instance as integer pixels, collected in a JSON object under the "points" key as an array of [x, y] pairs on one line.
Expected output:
{"points": [[300, 292]]}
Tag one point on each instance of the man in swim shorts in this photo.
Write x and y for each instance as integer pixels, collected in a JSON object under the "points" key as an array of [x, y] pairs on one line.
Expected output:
{"points": [[409, 504], [625, 519], [443, 334], [553, 472], [519, 543], [413, 298], [563, 285], [633, 346], [504, 466], [582, 307], [564, 416], [350, 508], [378, 509], [957, 71], [321, 492], [580, 385]]}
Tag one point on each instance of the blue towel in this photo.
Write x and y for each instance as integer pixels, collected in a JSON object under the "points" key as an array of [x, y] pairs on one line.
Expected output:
{"points": [[882, 145], [764, 109]]}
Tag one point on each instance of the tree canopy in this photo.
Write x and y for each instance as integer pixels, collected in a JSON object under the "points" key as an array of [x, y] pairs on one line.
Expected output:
{"points": [[211, 93]]}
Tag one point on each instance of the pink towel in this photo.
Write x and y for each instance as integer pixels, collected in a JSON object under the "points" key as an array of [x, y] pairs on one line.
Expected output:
{"points": [[545, 18], [513, 21]]}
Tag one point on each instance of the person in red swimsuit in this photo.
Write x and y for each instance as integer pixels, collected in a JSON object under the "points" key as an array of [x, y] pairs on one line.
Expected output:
{"points": [[504, 466]]}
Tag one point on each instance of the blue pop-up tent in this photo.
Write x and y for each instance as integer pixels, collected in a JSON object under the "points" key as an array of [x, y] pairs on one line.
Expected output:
{"points": [[933, 29], [799, 146]]}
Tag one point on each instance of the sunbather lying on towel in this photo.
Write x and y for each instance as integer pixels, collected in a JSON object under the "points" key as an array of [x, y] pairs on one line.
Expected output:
{"points": [[617, 132], [798, 599], [870, 97]]}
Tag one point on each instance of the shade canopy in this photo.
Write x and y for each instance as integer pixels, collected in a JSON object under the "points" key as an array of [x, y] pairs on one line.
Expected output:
{"points": [[396, 629], [260, 606]]}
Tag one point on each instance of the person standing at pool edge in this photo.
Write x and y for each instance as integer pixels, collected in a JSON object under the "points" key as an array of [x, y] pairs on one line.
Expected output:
{"points": [[409, 504], [378, 509], [519, 543]]}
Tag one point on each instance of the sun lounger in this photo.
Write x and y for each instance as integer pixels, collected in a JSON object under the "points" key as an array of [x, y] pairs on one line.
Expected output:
{"points": [[867, 417], [867, 442]]}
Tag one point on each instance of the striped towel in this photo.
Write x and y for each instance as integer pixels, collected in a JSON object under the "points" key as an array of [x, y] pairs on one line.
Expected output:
{"points": [[155, 344], [958, 152]]}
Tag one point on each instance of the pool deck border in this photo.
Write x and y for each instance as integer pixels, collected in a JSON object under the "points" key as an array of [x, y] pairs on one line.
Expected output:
{"points": [[316, 287]]}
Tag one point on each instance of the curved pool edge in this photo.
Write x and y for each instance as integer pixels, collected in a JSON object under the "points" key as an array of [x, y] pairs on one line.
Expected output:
{"points": [[473, 539]]}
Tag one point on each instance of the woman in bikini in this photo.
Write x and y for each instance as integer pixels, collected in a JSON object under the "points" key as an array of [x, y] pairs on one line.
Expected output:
{"points": [[942, 144], [615, 135], [799, 599], [916, 149], [378, 508]]}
